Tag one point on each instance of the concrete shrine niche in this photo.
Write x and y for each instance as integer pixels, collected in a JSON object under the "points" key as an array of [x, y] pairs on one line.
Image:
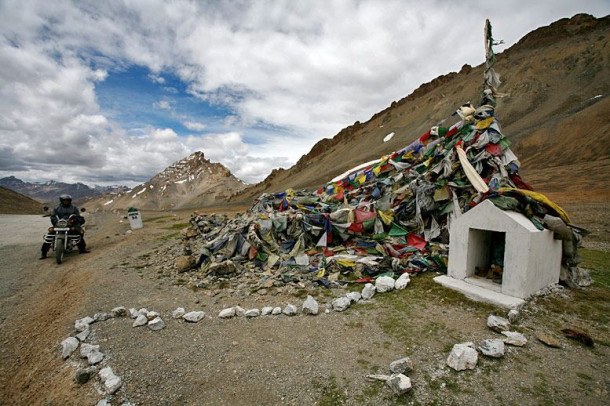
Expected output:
{"points": [[500, 256]]}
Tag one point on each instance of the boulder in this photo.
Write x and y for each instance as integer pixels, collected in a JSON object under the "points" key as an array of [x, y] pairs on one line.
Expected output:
{"points": [[548, 340], [223, 268], [399, 383], [384, 284], [91, 352], [514, 338], [266, 310], [368, 291], [498, 324], [493, 347], [156, 324], [111, 382], [227, 313], [290, 310], [82, 336], [463, 356], [310, 306], [184, 263], [276, 310], [140, 321], [341, 304], [102, 316], [119, 311], [68, 346], [194, 317], [250, 313], [178, 313], [401, 366], [83, 324], [402, 281], [354, 297]]}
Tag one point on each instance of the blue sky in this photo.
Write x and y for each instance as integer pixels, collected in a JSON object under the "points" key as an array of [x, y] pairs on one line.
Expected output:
{"points": [[113, 92]]}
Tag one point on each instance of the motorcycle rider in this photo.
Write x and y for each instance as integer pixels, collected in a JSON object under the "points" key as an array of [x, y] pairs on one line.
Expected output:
{"points": [[63, 211]]}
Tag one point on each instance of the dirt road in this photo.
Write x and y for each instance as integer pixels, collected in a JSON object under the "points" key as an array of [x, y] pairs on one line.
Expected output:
{"points": [[268, 360]]}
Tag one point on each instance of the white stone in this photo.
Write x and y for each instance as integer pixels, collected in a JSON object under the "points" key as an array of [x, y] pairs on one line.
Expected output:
{"points": [[368, 291], [513, 315], [103, 402], [227, 313], [498, 324], [102, 316], [378, 377], [266, 310], [384, 284], [493, 347], [514, 338], [143, 311], [194, 317], [402, 281], [354, 297], [310, 306], [111, 382], [253, 313], [156, 324], [91, 352], [463, 356], [532, 256], [133, 313], [140, 321], [240, 311], [399, 383], [400, 366], [341, 304], [152, 315], [68, 346], [290, 310], [82, 324], [119, 311], [276, 310], [178, 313], [82, 336]]}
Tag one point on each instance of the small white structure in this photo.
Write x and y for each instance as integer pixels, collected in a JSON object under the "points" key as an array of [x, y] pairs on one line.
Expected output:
{"points": [[135, 220], [532, 257]]}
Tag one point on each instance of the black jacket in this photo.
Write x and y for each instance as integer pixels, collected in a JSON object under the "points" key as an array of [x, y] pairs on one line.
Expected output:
{"points": [[61, 212]]}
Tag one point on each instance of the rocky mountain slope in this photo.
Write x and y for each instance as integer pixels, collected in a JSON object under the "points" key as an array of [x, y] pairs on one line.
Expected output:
{"points": [[12, 202], [49, 191], [555, 112], [189, 183]]}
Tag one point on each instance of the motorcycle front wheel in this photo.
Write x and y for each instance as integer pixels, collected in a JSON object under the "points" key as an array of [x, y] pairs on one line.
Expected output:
{"points": [[59, 250]]}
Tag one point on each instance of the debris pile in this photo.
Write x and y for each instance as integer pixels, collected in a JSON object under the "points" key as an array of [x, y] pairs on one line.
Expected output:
{"points": [[389, 218]]}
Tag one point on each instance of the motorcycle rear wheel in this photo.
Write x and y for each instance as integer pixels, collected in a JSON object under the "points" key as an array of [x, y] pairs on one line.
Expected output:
{"points": [[59, 250]]}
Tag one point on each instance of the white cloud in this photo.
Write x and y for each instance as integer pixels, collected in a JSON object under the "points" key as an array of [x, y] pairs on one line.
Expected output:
{"points": [[163, 104], [194, 126], [308, 68]]}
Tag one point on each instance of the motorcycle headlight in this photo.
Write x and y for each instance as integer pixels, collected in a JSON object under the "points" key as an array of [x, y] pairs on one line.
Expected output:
{"points": [[51, 230]]}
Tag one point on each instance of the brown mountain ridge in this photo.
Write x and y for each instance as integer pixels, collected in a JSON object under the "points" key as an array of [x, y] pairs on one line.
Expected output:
{"points": [[555, 112]]}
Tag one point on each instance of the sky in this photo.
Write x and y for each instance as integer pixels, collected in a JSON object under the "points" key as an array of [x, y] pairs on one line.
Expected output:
{"points": [[112, 92]]}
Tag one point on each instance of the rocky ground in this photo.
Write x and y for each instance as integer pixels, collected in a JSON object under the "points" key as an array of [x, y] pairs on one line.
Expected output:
{"points": [[322, 359]]}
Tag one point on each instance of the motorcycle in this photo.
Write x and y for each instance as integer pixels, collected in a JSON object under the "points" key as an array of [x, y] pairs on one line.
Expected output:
{"points": [[65, 235]]}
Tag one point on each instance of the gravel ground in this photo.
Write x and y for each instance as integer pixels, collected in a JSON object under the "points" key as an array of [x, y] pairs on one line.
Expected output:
{"points": [[268, 360]]}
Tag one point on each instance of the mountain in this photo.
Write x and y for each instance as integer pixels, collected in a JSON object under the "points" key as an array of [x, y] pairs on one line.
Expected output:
{"points": [[49, 191], [555, 113], [12, 202], [189, 183]]}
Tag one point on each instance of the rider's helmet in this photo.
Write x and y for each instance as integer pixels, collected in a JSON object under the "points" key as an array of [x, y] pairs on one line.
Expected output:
{"points": [[65, 200]]}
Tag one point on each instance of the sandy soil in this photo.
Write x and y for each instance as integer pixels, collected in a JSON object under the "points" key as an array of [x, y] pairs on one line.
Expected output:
{"points": [[273, 360]]}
